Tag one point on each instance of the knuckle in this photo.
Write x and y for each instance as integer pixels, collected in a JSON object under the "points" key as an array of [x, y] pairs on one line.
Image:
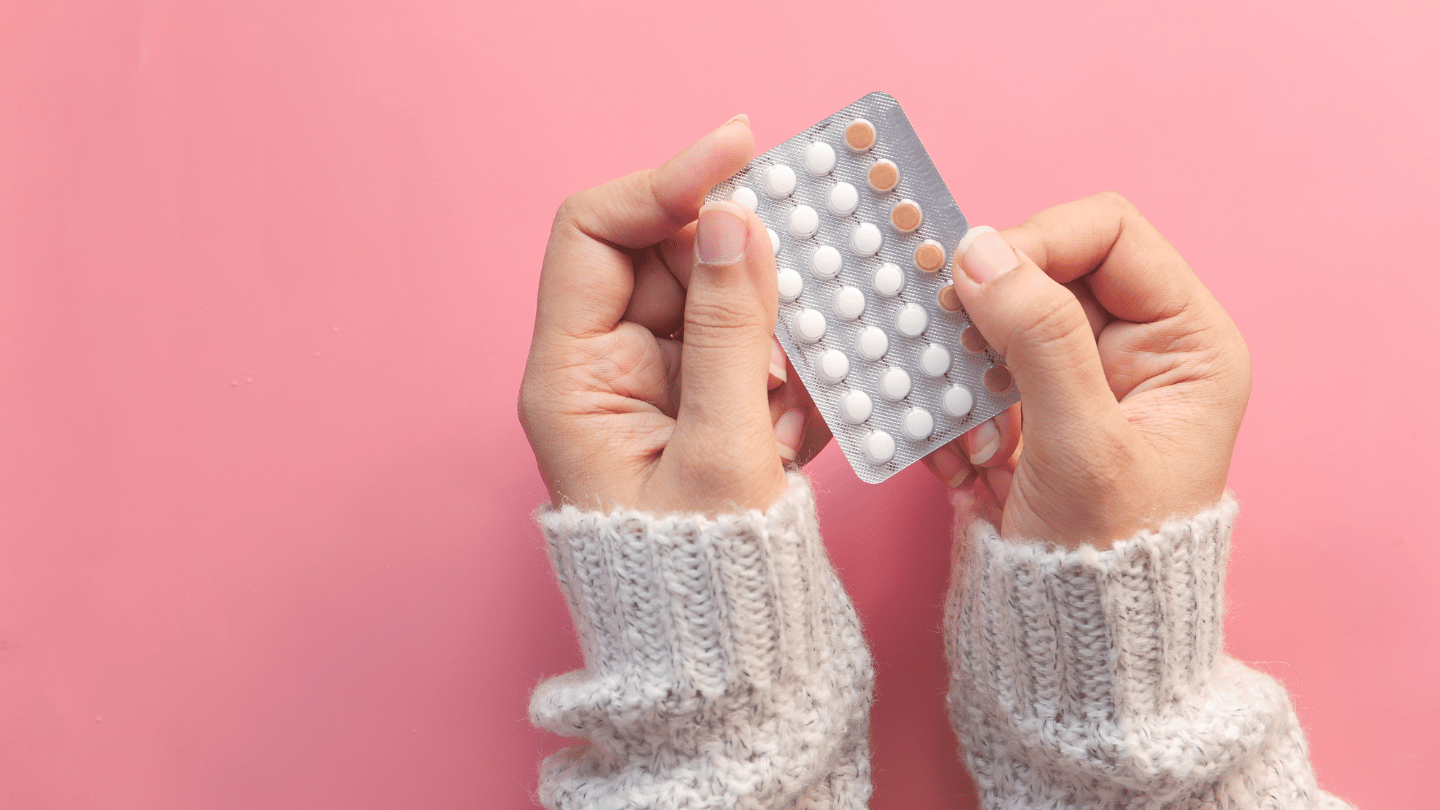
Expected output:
{"points": [[720, 320], [1117, 202], [1052, 318]]}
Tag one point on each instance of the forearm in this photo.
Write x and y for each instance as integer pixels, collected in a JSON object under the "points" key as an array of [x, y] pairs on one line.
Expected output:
{"points": [[724, 663]]}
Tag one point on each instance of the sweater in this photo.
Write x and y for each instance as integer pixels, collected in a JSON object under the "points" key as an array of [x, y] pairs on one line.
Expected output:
{"points": [[725, 667]]}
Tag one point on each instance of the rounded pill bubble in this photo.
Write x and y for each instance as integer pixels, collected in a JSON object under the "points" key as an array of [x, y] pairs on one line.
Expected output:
{"points": [[865, 239], [997, 379], [745, 198], [774, 241], [859, 135], [833, 366], [804, 221], [972, 340], [855, 406], [948, 299], [935, 360], [825, 262], [906, 216], [889, 280], [809, 325], [883, 176], [872, 343], [912, 320], [879, 447], [779, 181], [895, 384], [819, 159], [929, 256], [849, 302], [790, 285], [917, 424], [958, 401], [842, 200]]}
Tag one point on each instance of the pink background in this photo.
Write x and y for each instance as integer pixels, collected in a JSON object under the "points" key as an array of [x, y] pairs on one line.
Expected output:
{"points": [[266, 279]]}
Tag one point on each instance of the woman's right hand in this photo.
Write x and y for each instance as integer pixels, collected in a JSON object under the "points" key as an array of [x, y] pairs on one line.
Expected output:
{"points": [[1133, 378]]}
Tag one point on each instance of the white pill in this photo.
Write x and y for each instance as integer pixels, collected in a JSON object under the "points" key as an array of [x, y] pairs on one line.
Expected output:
{"points": [[819, 159], [872, 343], [865, 239], [849, 302], [833, 366], [889, 279], [894, 384], [917, 424], [779, 181], [790, 285], [935, 360], [809, 325], [843, 200], [855, 406], [774, 241], [879, 447], [958, 401], [804, 221], [912, 320], [825, 262], [744, 197]]}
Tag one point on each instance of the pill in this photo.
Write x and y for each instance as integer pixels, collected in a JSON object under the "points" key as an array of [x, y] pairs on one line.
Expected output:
{"points": [[849, 302], [905, 216], [972, 340], [917, 424], [809, 325], [879, 447], [997, 379], [779, 181], [912, 320], [860, 135], [883, 176], [842, 200], [819, 159], [833, 366], [804, 221], [929, 256], [865, 239], [889, 280], [743, 196], [855, 406], [825, 262], [790, 285], [957, 401], [935, 360], [949, 300], [774, 241], [872, 343], [895, 384]]}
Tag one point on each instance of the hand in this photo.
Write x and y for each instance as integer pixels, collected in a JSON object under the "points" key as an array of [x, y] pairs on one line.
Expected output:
{"points": [[1132, 377], [646, 384]]}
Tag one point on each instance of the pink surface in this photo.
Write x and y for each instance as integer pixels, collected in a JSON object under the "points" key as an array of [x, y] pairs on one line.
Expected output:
{"points": [[266, 280]]}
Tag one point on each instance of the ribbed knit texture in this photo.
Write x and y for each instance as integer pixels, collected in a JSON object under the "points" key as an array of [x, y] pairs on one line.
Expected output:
{"points": [[724, 664], [1092, 679]]}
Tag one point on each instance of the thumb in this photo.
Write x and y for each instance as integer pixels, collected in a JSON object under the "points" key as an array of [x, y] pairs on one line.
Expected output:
{"points": [[724, 430]]}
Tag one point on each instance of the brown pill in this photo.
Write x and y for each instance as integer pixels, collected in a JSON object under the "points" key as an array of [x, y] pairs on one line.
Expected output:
{"points": [[884, 176], [972, 340], [949, 301], [997, 379], [860, 135], [905, 216], [929, 256]]}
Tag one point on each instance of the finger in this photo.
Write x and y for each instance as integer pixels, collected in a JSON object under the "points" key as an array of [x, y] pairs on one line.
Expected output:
{"points": [[779, 365], [1134, 273], [949, 466], [587, 278], [993, 441], [814, 433]]}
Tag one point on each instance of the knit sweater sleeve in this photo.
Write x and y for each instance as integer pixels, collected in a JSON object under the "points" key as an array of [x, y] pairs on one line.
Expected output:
{"points": [[724, 664], [1090, 679]]}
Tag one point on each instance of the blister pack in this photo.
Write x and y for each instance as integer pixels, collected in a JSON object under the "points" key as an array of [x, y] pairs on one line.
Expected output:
{"points": [[863, 227]]}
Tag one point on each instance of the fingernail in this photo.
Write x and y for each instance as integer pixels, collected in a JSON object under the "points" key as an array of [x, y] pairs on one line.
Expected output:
{"points": [[777, 362], [950, 466], [740, 117], [983, 441], [984, 255], [789, 430], [721, 233]]}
